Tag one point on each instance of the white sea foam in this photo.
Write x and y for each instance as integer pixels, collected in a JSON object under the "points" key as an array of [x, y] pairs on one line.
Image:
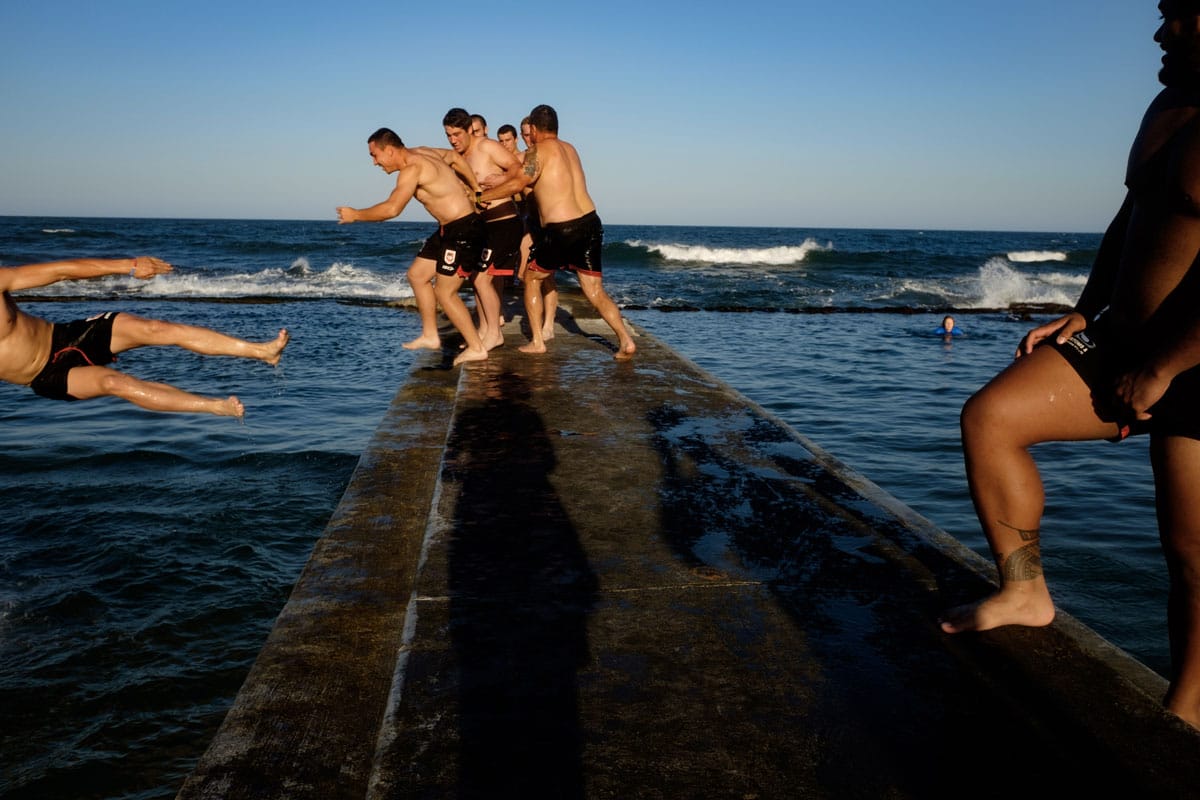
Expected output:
{"points": [[997, 284], [299, 281], [689, 253], [1000, 285], [1034, 256], [58, 230]]}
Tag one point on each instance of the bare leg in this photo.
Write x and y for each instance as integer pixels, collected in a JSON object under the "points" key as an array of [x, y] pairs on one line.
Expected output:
{"points": [[454, 308], [1038, 398], [550, 304], [88, 382], [526, 241], [488, 300], [501, 284], [1177, 496], [534, 312], [593, 289], [130, 331], [420, 277]]}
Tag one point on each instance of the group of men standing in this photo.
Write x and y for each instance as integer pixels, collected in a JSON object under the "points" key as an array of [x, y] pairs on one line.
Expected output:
{"points": [[496, 208]]}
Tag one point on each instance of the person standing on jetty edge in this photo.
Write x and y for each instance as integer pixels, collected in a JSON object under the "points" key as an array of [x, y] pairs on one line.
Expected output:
{"points": [[1125, 361], [504, 228], [68, 361], [572, 235], [452, 253]]}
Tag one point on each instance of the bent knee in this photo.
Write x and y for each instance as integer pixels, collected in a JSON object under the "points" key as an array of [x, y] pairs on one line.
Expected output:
{"points": [[84, 383], [116, 384], [983, 416]]}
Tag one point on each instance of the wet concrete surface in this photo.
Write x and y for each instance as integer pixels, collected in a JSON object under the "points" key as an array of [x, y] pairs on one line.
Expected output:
{"points": [[564, 576]]}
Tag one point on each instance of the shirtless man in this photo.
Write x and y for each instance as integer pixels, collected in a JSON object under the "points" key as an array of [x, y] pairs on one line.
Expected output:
{"points": [[478, 126], [69, 361], [1125, 361], [452, 253], [504, 227], [507, 136], [533, 232], [572, 235]]}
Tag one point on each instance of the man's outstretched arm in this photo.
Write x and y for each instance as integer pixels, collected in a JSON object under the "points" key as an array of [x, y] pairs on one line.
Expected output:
{"points": [[406, 187], [31, 276]]}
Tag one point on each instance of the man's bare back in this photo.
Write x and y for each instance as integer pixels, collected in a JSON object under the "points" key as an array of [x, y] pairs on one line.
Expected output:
{"points": [[559, 185]]}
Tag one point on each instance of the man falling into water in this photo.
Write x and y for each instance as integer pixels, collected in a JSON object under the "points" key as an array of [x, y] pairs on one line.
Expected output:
{"points": [[1125, 361], [452, 253], [572, 235], [69, 361]]}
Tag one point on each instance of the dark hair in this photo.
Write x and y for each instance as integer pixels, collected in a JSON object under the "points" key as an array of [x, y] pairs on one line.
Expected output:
{"points": [[507, 129], [479, 117], [385, 137], [457, 118], [544, 118]]}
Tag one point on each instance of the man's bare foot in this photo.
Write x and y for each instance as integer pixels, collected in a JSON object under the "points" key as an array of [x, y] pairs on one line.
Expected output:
{"points": [[533, 347], [625, 351], [229, 407], [548, 332], [1033, 609], [274, 348], [471, 354], [424, 343], [492, 342]]}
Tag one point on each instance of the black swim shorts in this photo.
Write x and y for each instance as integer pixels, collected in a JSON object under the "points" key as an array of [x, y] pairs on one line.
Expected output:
{"points": [[457, 246], [1097, 354], [82, 343], [502, 255], [573, 245]]}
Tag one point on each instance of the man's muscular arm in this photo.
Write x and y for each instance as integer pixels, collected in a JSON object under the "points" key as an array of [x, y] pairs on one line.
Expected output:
{"points": [[1173, 239], [31, 276], [515, 182], [1096, 294], [406, 187]]}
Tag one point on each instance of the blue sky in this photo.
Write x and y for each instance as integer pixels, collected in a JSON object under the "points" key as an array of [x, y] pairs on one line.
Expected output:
{"points": [[928, 114]]}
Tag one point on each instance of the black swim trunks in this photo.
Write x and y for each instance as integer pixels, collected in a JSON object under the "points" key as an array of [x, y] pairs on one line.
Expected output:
{"points": [[82, 343], [573, 245], [457, 246], [1099, 356], [502, 255]]}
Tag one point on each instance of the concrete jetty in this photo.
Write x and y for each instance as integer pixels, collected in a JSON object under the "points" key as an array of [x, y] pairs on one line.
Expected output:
{"points": [[564, 576]]}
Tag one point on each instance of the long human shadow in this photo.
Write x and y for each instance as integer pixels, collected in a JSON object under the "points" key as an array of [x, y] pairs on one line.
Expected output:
{"points": [[521, 590]]}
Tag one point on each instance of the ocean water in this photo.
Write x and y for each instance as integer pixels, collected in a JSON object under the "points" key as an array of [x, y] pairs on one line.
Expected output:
{"points": [[144, 557]]}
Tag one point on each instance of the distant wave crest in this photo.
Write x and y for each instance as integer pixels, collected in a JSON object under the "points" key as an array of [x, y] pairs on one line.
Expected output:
{"points": [[1034, 256], [773, 256], [58, 230]]}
